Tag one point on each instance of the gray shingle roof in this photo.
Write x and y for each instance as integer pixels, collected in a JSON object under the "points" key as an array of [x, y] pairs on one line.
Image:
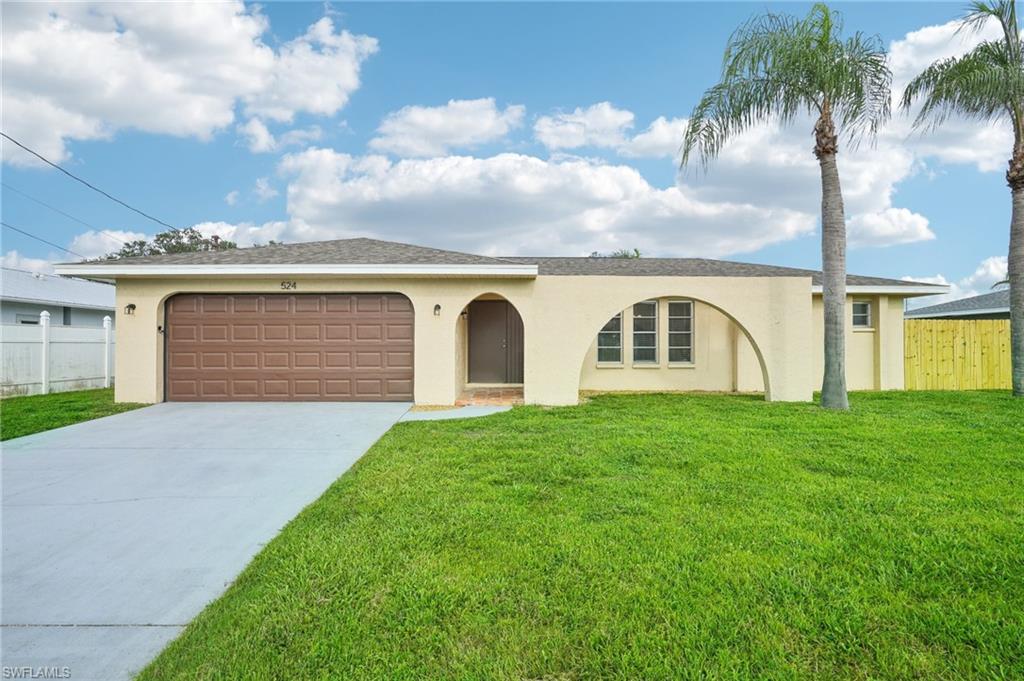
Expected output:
{"points": [[997, 300], [337, 252], [685, 267], [375, 252]]}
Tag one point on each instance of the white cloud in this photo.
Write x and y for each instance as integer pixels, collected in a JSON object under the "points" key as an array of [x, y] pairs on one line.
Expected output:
{"points": [[662, 138], [434, 130], [259, 139], [16, 261], [244, 233], [231, 198], [528, 204], [599, 125], [83, 71], [263, 190], [988, 272], [888, 227], [605, 127], [94, 244], [316, 73]]}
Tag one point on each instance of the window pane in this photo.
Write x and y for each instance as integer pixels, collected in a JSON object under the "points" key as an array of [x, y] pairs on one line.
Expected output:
{"points": [[614, 324], [646, 309], [607, 339], [679, 340], [609, 354], [644, 324], [680, 355], [643, 355], [644, 340], [683, 324], [679, 309]]}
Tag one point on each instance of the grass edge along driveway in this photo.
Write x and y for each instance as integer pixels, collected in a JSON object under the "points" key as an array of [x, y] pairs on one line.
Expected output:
{"points": [[657, 536], [25, 415]]}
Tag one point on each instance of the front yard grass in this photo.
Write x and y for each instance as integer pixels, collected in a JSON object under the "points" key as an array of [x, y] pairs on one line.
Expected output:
{"points": [[35, 413], [649, 537]]}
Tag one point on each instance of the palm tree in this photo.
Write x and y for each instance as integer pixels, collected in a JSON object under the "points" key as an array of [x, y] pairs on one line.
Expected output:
{"points": [[987, 84], [779, 67]]}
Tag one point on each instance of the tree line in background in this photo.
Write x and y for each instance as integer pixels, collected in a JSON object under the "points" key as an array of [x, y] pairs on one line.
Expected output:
{"points": [[778, 67]]}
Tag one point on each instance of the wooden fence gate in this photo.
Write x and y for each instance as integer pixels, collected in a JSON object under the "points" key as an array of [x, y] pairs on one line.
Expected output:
{"points": [[957, 354]]}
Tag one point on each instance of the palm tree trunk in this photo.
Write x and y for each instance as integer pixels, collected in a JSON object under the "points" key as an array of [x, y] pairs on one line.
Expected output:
{"points": [[833, 261], [1015, 263]]}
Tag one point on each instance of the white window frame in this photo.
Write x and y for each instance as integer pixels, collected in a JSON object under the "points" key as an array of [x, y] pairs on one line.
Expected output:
{"points": [[600, 347], [654, 333], [870, 321], [692, 332]]}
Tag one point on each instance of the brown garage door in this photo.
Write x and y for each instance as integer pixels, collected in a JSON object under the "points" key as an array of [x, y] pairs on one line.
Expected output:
{"points": [[289, 347]]}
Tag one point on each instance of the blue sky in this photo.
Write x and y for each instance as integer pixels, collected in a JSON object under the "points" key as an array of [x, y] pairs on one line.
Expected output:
{"points": [[496, 128]]}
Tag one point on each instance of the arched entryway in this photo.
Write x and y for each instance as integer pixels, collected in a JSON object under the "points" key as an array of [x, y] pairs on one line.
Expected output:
{"points": [[673, 343], [494, 342]]}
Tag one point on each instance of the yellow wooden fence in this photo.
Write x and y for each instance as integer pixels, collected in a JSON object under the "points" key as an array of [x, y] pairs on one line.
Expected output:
{"points": [[956, 354]]}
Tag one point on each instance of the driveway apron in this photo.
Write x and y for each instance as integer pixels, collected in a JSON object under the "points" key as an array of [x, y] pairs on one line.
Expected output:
{"points": [[118, 531]]}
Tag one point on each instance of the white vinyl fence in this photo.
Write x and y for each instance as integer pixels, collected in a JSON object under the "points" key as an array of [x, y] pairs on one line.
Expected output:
{"points": [[42, 359]]}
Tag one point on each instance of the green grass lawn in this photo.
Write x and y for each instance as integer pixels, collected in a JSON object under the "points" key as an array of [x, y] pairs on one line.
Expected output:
{"points": [[26, 415], [649, 537]]}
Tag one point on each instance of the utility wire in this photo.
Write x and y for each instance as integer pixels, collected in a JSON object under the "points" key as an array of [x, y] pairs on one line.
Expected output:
{"points": [[48, 243], [90, 186], [67, 215]]}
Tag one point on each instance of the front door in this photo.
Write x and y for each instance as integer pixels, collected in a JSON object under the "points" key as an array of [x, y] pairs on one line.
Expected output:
{"points": [[495, 342]]}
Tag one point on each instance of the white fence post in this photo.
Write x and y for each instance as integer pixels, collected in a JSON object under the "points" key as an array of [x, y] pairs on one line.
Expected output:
{"points": [[44, 322], [106, 351]]}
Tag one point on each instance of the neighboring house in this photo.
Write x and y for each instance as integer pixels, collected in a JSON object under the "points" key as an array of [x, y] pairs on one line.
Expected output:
{"points": [[70, 302], [995, 305], [360, 319]]}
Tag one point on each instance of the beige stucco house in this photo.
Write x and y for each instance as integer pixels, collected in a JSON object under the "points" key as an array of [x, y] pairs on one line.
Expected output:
{"points": [[360, 319]]}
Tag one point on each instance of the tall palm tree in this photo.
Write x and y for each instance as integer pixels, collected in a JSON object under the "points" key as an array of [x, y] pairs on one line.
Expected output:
{"points": [[987, 84], [779, 67]]}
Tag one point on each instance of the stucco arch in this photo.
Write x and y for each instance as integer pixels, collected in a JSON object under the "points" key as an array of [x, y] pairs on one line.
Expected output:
{"points": [[682, 296], [461, 331]]}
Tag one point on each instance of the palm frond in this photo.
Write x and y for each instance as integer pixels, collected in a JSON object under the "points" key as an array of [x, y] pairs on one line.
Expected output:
{"points": [[776, 66], [980, 84]]}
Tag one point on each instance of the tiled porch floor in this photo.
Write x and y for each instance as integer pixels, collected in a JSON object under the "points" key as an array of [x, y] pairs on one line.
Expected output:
{"points": [[492, 397]]}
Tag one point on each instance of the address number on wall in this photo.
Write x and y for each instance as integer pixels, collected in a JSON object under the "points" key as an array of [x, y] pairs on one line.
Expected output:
{"points": [[289, 285]]}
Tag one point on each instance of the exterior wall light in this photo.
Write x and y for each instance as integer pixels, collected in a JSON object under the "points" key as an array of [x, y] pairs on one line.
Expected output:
{"points": [[129, 308], [437, 310]]}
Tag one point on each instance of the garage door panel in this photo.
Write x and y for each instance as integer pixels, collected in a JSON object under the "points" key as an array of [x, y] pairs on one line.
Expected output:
{"points": [[277, 332], [245, 360], [306, 360], [245, 332], [213, 360], [289, 347]]}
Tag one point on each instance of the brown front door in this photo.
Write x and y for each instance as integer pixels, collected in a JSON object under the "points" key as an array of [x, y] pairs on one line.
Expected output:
{"points": [[495, 342], [310, 347]]}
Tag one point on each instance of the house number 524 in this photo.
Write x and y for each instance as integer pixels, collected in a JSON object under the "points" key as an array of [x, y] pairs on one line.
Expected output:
{"points": [[289, 285]]}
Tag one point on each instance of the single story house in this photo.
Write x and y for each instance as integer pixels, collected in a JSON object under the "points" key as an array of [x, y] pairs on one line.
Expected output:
{"points": [[995, 305], [362, 319], [70, 302]]}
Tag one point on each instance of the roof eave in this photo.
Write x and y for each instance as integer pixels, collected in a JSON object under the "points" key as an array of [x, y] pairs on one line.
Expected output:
{"points": [[114, 271], [907, 290]]}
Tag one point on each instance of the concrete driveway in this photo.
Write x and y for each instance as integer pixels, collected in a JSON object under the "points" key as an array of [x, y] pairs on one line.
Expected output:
{"points": [[117, 532]]}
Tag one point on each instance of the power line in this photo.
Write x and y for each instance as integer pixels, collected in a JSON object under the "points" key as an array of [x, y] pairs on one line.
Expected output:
{"points": [[48, 243], [67, 215], [90, 186]]}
